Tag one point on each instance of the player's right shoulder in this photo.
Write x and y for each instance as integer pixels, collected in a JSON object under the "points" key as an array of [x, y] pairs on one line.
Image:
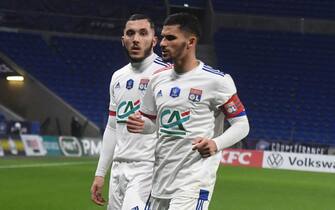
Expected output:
{"points": [[163, 69], [161, 73], [120, 72]]}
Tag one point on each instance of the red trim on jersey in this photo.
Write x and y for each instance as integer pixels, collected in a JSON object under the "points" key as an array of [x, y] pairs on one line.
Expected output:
{"points": [[112, 113], [137, 102], [233, 107], [151, 117], [185, 113], [170, 66]]}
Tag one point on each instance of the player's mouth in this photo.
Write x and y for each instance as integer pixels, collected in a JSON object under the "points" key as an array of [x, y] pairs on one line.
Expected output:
{"points": [[135, 49], [165, 53]]}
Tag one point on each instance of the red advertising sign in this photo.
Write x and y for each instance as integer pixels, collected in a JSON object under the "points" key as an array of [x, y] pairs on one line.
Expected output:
{"points": [[239, 157]]}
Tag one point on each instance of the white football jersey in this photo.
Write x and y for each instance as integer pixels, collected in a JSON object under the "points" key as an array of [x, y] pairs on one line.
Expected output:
{"points": [[127, 87], [185, 106]]}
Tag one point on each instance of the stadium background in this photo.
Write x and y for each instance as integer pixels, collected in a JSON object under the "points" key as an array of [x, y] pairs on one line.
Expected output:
{"points": [[281, 54]]}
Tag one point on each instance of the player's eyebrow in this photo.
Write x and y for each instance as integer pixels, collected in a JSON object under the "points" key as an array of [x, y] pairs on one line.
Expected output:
{"points": [[169, 37]]}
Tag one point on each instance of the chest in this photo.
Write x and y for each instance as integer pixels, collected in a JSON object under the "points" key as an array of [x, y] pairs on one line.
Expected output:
{"points": [[184, 93], [130, 87]]}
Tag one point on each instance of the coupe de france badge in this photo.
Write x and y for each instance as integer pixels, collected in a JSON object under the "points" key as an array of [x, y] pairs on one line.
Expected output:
{"points": [[195, 95], [143, 84], [175, 91], [130, 84]]}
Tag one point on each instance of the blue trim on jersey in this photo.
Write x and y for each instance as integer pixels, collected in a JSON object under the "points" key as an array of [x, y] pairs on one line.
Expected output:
{"points": [[161, 63], [214, 71], [200, 204], [135, 208], [159, 58], [244, 113], [203, 196], [148, 203]]}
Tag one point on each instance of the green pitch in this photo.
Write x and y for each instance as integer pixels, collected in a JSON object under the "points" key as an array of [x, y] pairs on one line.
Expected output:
{"points": [[64, 183]]}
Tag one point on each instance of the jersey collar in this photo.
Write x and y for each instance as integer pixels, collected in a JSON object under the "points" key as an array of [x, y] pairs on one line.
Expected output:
{"points": [[141, 66], [196, 69]]}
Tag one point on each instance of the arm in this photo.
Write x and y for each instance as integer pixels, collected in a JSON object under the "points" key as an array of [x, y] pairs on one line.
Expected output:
{"points": [[107, 151], [140, 123], [105, 161], [108, 146], [237, 131], [144, 121], [229, 103]]}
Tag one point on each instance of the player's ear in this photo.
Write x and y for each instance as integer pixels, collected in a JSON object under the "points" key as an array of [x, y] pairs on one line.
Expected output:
{"points": [[154, 41], [122, 41], [192, 41]]}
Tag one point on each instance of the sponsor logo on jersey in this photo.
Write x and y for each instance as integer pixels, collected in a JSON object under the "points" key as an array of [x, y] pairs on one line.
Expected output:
{"points": [[159, 94], [130, 84], [195, 95], [117, 85], [175, 92], [125, 109], [171, 122], [143, 84]]}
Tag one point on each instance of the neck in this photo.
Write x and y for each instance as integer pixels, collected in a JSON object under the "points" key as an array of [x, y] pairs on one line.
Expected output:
{"points": [[139, 66], [185, 64]]}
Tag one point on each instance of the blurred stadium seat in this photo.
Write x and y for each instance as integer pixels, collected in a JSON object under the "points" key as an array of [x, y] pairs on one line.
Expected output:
{"points": [[286, 81], [78, 70], [313, 9]]}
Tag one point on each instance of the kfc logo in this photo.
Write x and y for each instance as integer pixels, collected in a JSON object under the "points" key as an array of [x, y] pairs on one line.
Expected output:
{"points": [[242, 158]]}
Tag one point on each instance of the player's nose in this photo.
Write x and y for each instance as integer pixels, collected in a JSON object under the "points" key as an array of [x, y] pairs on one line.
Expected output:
{"points": [[136, 37], [163, 43]]}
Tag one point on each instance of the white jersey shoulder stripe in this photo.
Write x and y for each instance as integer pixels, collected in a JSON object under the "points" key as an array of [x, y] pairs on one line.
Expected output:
{"points": [[214, 71]]}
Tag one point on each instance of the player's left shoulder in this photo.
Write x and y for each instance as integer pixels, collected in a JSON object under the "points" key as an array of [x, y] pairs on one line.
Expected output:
{"points": [[215, 74], [218, 77], [212, 72]]}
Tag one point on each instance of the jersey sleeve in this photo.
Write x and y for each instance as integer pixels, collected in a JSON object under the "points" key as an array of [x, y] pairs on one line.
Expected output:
{"points": [[108, 140], [148, 105], [112, 104], [227, 99]]}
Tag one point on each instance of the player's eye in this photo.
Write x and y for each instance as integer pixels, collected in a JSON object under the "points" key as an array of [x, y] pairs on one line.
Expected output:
{"points": [[170, 37], [143, 32], [130, 32]]}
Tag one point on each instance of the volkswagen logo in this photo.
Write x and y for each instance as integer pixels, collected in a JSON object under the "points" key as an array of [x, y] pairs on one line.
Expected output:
{"points": [[275, 160]]}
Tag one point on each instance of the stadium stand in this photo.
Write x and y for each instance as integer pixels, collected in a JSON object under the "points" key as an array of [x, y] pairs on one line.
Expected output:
{"points": [[288, 8], [78, 70], [286, 81], [188, 3], [92, 62]]}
